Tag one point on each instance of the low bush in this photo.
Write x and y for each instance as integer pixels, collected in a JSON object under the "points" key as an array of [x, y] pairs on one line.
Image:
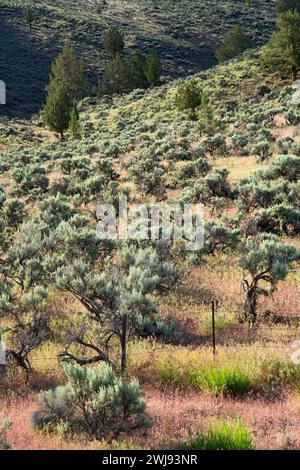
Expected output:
{"points": [[94, 401], [4, 445]]}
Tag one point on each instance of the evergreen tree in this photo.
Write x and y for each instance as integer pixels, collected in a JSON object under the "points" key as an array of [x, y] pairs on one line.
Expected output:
{"points": [[234, 43], [153, 68], [116, 79], [283, 6], [67, 70], [189, 98], [29, 17], [57, 110], [113, 42], [282, 53], [207, 120], [74, 124], [136, 71]]}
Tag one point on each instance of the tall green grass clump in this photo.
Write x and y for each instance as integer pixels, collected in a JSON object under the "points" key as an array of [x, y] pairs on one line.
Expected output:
{"points": [[216, 377], [222, 435], [221, 380]]}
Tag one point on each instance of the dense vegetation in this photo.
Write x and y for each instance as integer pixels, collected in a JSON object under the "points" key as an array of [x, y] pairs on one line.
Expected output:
{"points": [[82, 317], [184, 33]]}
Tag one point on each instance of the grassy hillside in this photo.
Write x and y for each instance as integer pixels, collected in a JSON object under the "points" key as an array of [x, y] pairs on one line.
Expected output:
{"points": [[185, 33], [185, 387], [63, 291]]}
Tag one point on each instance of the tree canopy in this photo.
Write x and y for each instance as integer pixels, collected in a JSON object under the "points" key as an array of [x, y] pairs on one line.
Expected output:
{"points": [[235, 42], [282, 53]]}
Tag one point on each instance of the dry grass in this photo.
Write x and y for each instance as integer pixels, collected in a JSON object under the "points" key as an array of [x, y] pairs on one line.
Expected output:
{"points": [[176, 401]]}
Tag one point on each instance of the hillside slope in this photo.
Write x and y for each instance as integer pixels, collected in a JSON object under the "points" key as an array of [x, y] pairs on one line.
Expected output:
{"points": [[185, 33], [47, 181], [250, 106]]}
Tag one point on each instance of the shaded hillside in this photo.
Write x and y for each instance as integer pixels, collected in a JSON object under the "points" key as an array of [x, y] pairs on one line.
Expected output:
{"points": [[185, 33]]}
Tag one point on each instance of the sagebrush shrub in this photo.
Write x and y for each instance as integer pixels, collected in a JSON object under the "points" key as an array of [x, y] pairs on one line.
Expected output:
{"points": [[94, 401], [4, 445]]}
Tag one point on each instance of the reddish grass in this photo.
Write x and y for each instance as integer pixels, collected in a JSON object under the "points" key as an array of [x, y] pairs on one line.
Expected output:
{"points": [[275, 423]]}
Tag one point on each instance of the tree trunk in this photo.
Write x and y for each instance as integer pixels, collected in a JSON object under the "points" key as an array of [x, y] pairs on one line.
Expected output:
{"points": [[251, 303], [123, 344], [294, 73]]}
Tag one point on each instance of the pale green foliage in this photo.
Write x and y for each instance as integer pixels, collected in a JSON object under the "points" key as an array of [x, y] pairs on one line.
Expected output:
{"points": [[262, 149], [22, 296], [270, 257], [122, 288], [265, 261], [148, 174], [222, 435], [94, 401]]}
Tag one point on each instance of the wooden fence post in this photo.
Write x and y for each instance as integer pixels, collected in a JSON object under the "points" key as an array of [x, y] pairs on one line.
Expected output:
{"points": [[2, 358], [213, 326]]}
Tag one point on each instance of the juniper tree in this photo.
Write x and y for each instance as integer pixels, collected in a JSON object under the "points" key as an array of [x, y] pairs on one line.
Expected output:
{"points": [[283, 6], [282, 53], [189, 96], [265, 261], [234, 43], [207, 120], [152, 68], [74, 124], [29, 17], [58, 109], [67, 70], [137, 76], [116, 79], [113, 42]]}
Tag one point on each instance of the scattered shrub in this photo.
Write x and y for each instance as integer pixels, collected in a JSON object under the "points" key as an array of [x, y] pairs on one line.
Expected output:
{"points": [[95, 401]]}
